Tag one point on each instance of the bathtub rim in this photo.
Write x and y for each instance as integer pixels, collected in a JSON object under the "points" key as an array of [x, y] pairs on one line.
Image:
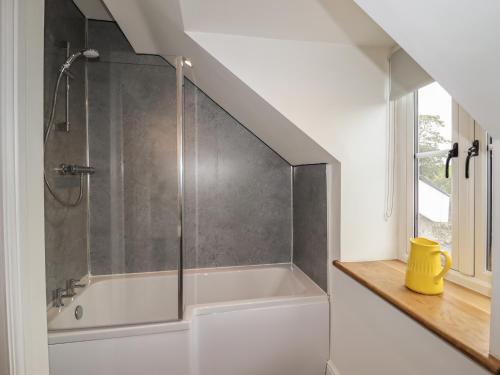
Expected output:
{"points": [[313, 295], [90, 279]]}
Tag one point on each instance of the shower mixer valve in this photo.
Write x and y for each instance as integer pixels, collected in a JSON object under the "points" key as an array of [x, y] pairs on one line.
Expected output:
{"points": [[74, 170]]}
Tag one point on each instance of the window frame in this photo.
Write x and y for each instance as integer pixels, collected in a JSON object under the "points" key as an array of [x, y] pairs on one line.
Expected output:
{"points": [[472, 272]]}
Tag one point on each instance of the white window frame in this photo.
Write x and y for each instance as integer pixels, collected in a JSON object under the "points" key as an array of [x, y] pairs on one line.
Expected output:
{"points": [[471, 260]]}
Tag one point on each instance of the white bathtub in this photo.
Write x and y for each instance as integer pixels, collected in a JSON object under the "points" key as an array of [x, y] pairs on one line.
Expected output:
{"points": [[254, 320]]}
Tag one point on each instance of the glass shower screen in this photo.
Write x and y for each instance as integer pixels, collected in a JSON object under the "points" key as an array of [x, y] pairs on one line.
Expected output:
{"points": [[135, 138]]}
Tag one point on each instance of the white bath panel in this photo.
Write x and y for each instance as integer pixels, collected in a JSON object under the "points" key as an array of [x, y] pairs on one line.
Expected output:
{"points": [[158, 354], [282, 340]]}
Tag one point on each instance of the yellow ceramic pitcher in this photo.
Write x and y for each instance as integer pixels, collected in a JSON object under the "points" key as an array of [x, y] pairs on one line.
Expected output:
{"points": [[425, 273]]}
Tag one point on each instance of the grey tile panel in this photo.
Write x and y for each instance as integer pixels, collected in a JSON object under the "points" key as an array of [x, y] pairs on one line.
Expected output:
{"points": [[113, 46], [238, 191], [237, 194], [65, 228], [310, 222]]}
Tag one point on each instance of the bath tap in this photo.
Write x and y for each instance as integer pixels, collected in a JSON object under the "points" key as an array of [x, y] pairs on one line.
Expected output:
{"points": [[71, 284], [59, 294]]}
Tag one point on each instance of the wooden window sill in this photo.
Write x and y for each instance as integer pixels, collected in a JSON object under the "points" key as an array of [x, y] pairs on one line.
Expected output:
{"points": [[459, 316]]}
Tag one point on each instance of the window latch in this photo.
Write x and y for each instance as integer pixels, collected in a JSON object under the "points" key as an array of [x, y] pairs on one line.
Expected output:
{"points": [[453, 153], [473, 151]]}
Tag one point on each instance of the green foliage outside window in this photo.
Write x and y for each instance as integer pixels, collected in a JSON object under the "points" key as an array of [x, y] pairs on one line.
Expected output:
{"points": [[430, 138]]}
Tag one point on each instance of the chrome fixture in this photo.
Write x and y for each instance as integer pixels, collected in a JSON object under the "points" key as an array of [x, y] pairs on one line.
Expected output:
{"points": [[69, 292], [78, 312], [74, 170], [59, 294], [65, 126], [71, 285], [88, 53], [64, 70]]}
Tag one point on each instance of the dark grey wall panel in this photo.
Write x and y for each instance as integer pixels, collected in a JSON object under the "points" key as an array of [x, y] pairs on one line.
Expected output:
{"points": [[65, 228], [238, 191], [310, 221], [112, 45]]}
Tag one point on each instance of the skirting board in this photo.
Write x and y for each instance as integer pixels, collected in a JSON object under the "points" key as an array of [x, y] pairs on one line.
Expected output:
{"points": [[331, 369]]}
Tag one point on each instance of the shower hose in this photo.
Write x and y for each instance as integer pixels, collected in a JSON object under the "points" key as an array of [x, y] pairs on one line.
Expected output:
{"points": [[47, 132]]}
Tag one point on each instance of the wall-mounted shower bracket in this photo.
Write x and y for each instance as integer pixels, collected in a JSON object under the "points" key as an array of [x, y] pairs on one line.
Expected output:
{"points": [[66, 125]]}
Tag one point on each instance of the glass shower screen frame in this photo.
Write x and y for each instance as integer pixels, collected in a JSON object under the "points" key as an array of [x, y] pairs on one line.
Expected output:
{"points": [[179, 63], [62, 318]]}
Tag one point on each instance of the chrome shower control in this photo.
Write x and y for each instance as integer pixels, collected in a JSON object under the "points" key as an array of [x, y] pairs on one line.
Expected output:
{"points": [[74, 170]]}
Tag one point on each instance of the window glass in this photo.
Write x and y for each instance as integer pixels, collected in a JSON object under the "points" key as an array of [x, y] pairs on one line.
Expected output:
{"points": [[434, 118], [433, 140]]}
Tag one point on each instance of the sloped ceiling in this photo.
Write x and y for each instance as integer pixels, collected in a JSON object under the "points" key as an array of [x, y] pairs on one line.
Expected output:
{"points": [[162, 27], [93, 9], [456, 42], [156, 27], [331, 21]]}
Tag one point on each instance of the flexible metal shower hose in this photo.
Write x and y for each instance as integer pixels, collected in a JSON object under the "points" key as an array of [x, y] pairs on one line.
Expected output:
{"points": [[48, 129]]}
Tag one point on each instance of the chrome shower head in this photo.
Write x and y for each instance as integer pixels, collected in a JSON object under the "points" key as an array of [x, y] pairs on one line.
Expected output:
{"points": [[91, 53], [88, 53]]}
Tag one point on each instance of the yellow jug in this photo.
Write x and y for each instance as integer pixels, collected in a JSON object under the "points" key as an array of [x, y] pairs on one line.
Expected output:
{"points": [[424, 273]]}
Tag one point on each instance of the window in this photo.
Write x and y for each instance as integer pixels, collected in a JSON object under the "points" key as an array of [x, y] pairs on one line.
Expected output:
{"points": [[447, 181], [433, 190]]}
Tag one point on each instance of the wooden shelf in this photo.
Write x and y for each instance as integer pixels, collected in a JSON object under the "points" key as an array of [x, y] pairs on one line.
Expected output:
{"points": [[459, 316]]}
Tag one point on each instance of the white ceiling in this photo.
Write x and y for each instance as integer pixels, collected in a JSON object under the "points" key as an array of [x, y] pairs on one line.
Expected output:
{"points": [[333, 21]]}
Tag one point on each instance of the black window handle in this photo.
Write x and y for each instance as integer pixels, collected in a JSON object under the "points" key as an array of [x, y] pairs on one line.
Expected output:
{"points": [[473, 151], [453, 153]]}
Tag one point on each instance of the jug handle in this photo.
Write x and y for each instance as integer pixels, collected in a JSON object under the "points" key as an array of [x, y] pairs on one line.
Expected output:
{"points": [[447, 265]]}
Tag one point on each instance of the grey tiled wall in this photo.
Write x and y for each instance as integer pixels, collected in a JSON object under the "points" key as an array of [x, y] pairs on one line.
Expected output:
{"points": [[238, 191], [310, 221], [65, 228]]}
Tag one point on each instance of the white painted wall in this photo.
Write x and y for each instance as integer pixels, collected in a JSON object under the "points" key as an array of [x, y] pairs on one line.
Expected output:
{"points": [[334, 93], [456, 42], [373, 337]]}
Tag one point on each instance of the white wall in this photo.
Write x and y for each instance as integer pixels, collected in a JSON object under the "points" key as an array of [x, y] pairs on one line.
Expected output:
{"points": [[335, 93], [373, 337]]}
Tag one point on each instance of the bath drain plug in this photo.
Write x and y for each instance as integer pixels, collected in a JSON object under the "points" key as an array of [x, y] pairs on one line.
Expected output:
{"points": [[79, 312]]}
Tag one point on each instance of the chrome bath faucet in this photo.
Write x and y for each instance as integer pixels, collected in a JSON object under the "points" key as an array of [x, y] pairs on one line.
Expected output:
{"points": [[59, 294], [71, 284], [69, 292]]}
